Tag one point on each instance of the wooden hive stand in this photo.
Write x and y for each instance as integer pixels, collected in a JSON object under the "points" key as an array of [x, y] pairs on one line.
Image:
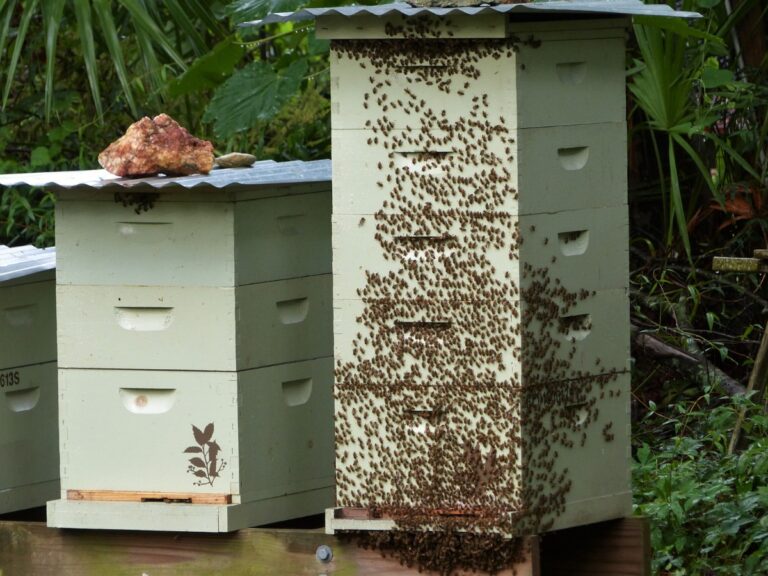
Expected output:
{"points": [[613, 548]]}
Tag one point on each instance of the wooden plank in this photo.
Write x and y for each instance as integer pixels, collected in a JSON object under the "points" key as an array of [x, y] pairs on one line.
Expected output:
{"points": [[616, 548], [739, 265], [32, 549], [128, 496], [369, 514]]}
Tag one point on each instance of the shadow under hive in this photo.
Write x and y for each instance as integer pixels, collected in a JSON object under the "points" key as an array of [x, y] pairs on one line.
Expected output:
{"points": [[480, 274]]}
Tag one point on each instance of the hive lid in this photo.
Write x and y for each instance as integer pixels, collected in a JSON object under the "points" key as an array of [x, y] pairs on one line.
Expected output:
{"points": [[618, 7], [21, 261], [267, 172]]}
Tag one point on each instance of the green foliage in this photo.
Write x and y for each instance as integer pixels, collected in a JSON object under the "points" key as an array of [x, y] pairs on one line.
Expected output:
{"points": [[662, 85], [254, 93], [300, 129], [210, 70], [263, 92], [26, 216], [672, 82], [286, 64], [143, 21], [708, 510]]}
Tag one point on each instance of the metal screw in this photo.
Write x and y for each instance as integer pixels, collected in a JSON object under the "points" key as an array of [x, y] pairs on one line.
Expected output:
{"points": [[324, 553]]}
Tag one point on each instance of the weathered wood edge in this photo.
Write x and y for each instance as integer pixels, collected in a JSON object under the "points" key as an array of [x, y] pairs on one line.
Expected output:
{"points": [[619, 548], [132, 496]]}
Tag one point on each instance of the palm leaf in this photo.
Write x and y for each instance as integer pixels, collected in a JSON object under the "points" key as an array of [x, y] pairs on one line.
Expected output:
{"points": [[151, 63], [6, 26], [697, 161], [53, 10], [739, 12], [112, 39], [728, 149], [203, 12], [181, 18], [85, 31], [141, 19], [26, 18], [676, 199]]}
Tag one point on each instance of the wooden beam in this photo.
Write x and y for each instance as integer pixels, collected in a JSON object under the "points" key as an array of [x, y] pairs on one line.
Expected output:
{"points": [[370, 514], [618, 548], [739, 265], [169, 497]]}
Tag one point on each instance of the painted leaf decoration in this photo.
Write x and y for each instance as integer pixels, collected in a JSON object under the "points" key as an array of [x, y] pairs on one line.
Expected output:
{"points": [[213, 449], [193, 450], [207, 433], [212, 469], [200, 473], [197, 462], [199, 437]]}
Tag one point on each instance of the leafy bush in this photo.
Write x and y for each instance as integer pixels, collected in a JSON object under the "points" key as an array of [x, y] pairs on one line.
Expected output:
{"points": [[708, 510]]}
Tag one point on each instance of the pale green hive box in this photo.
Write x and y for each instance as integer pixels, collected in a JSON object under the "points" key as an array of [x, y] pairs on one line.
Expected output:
{"points": [[29, 476], [195, 346], [480, 239]]}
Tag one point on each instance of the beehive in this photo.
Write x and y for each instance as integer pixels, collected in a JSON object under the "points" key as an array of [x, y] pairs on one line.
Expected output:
{"points": [[480, 238], [29, 475], [195, 341]]}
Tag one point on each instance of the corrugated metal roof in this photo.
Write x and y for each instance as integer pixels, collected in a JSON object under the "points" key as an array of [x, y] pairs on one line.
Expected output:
{"points": [[23, 261], [267, 172], [628, 7]]}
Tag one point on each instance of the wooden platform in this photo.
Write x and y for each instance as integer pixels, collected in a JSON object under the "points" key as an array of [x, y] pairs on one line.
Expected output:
{"points": [[617, 548], [122, 496]]}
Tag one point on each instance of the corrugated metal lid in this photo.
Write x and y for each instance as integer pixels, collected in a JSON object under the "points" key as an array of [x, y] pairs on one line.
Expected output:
{"points": [[267, 172], [624, 7], [23, 261]]}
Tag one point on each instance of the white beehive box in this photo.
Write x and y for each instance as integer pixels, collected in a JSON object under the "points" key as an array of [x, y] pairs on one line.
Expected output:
{"points": [[29, 475], [480, 237], [195, 340]]}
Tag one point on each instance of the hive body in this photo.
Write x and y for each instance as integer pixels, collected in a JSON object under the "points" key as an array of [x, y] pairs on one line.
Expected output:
{"points": [[211, 310], [29, 474], [480, 272]]}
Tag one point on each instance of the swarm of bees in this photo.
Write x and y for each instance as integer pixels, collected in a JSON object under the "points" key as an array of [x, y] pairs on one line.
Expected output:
{"points": [[460, 387]]}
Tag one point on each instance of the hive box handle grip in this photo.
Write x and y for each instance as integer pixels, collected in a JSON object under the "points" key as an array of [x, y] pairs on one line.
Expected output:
{"points": [[436, 324], [573, 158], [576, 327], [18, 316], [573, 243], [293, 311], [143, 319], [143, 232], [414, 67], [427, 162], [129, 228], [571, 72], [424, 237], [148, 400], [297, 392], [426, 412], [22, 400], [290, 224]]}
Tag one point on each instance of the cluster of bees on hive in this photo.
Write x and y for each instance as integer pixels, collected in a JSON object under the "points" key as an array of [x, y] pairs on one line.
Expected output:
{"points": [[460, 391]]}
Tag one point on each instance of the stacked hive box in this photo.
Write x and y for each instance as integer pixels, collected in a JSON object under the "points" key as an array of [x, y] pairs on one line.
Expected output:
{"points": [[195, 351], [480, 272], [29, 474]]}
